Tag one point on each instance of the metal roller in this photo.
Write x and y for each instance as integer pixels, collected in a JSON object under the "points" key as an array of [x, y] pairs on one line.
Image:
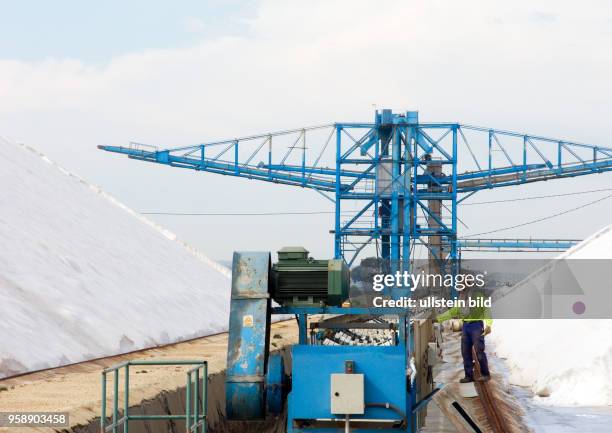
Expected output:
{"points": [[276, 384]]}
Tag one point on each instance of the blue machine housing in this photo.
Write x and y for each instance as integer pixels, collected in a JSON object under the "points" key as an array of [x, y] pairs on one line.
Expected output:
{"points": [[386, 382], [256, 385]]}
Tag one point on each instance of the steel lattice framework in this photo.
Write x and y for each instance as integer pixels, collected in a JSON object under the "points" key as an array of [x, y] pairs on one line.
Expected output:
{"points": [[394, 182]]}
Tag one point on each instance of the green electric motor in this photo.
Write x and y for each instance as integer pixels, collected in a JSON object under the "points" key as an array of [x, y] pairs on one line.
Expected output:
{"points": [[299, 280]]}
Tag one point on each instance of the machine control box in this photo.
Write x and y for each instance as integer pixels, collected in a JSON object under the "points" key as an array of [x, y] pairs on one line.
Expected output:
{"points": [[347, 394]]}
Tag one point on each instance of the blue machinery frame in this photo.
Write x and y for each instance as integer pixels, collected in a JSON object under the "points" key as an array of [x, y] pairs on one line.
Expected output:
{"points": [[255, 384], [390, 393], [396, 182]]}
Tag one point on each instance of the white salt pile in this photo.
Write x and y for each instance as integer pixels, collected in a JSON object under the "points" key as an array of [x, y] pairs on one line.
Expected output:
{"points": [[82, 276], [565, 362]]}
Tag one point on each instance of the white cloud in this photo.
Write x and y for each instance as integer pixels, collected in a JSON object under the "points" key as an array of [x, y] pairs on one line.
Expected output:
{"points": [[194, 24], [310, 54], [544, 17]]}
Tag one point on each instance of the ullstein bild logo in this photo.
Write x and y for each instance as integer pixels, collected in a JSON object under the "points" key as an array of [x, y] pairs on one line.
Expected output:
{"points": [[422, 279]]}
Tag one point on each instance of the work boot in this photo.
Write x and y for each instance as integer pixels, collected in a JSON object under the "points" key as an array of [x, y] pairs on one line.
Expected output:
{"points": [[466, 380], [484, 378]]}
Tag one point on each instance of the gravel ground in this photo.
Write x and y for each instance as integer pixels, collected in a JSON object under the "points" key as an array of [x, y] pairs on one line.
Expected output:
{"points": [[76, 389]]}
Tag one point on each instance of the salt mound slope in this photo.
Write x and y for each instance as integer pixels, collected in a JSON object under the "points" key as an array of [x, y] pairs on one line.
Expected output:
{"points": [[82, 276], [565, 362]]}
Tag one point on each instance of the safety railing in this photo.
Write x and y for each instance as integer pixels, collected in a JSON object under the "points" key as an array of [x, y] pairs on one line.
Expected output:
{"points": [[195, 397]]}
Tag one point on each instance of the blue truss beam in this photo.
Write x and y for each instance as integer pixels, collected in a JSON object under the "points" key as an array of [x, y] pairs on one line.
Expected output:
{"points": [[399, 171], [516, 244]]}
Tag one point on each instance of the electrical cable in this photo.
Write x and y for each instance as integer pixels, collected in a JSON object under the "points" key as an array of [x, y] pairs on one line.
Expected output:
{"points": [[238, 214], [332, 212], [540, 219], [536, 197], [392, 407]]}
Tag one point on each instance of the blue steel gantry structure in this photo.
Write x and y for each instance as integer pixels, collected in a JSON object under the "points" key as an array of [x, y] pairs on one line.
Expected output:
{"points": [[395, 182]]}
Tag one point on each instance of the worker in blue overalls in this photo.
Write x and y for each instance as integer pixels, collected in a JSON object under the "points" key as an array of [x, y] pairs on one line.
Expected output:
{"points": [[476, 324]]}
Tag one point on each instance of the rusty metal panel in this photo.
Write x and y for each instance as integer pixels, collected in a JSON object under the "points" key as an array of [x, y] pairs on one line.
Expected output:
{"points": [[423, 334], [249, 335]]}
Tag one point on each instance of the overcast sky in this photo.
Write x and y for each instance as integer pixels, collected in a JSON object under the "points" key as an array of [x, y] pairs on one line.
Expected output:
{"points": [[74, 75]]}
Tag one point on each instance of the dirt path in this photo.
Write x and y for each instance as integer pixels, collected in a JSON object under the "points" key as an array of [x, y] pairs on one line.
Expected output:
{"points": [[449, 373], [76, 389]]}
